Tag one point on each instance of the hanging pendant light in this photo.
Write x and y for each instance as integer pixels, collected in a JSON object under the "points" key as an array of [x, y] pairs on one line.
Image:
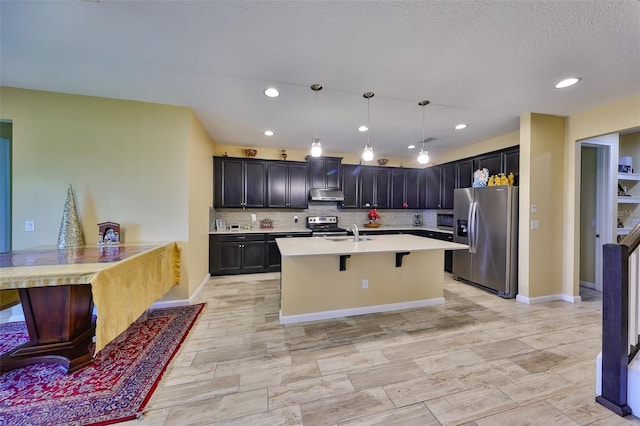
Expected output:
{"points": [[423, 156], [316, 146], [367, 153]]}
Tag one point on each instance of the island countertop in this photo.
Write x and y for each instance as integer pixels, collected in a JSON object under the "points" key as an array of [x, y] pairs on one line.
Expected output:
{"points": [[344, 245]]}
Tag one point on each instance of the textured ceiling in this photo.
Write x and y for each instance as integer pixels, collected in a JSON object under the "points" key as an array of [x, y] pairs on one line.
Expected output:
{"points": [[479, 62]]}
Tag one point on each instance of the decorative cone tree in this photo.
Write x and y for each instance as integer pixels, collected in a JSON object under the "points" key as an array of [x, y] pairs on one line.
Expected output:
{"points": [[70, 230]]}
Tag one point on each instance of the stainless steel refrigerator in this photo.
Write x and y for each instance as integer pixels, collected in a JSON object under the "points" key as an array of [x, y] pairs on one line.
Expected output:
{"points": [[486, 219]]}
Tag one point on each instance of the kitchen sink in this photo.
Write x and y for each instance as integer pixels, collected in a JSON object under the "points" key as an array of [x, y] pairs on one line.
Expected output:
{"points": [[347, 239]]}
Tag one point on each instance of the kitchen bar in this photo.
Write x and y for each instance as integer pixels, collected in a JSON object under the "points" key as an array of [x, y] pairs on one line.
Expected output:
{"points": [[325, 277]]}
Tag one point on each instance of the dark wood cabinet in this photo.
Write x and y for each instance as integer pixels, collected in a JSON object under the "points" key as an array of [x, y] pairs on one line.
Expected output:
{"points": [[511, 162], [407, 188], [464, 178], [432, 189], [287, 185], [273, 253], [324, 172], [236, 254], [447, 185], [491, 161], [351, 186], [375, 187], [239, 183]]}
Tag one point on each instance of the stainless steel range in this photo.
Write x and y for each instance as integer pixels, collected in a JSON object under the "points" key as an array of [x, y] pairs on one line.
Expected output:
{"points": [[324, 226]]}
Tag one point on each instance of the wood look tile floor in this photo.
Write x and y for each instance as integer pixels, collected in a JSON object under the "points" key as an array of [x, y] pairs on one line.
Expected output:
{"points": [[476, 360]]}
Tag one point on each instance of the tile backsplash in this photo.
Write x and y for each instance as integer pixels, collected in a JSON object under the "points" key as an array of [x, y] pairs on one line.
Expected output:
{"points": [[284, 219]]}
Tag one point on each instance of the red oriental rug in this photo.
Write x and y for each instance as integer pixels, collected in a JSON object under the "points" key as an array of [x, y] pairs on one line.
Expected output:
{"points": [[115, 388]]}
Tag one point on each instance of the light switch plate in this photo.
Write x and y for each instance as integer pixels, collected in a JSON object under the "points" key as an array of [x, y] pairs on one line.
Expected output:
{"points": [[534, 225], [30, 226]]}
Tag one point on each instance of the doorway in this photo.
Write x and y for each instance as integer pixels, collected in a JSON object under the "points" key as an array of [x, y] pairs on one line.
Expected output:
{"points": [[5, 186], [598, 212]]}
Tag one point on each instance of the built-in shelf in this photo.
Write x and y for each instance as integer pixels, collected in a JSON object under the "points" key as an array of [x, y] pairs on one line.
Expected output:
{"points": [[628, 200], [624, 231], [629, 176]]}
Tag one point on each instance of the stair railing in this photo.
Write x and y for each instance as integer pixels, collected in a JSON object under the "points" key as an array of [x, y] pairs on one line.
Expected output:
{"points": [[620, 306]]}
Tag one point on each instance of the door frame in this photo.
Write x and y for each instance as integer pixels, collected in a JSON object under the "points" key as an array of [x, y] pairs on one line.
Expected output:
{"points": [[5, 185], [606, 207]]}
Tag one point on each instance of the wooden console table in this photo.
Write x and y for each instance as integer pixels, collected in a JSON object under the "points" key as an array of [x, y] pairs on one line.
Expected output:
{"points": [[59, 287]]}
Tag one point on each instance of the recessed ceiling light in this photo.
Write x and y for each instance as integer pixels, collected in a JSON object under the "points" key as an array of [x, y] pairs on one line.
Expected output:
{"points": [[412, 146], [272, 92], [567, 82], [363, 128], [461, 126], [268, 132]]}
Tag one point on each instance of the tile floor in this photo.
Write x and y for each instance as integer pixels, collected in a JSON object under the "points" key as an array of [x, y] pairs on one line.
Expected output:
{"points": [[477, 360]]}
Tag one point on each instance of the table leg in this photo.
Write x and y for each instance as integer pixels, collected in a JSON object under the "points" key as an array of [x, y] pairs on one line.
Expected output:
{"points": [[61, 330]]}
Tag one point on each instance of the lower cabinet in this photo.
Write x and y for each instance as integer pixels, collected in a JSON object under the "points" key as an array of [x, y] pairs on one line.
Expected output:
{"points": [[245, 253], [273, 253]]}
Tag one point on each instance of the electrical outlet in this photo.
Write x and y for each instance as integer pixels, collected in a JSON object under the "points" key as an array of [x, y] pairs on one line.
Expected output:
{"points": [[365, 283], [295, 219], [534, 225], [30, 226], [534, 208]]}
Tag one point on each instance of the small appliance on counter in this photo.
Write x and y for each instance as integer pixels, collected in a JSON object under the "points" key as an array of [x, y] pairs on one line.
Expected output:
{"points": [[417, 219]]}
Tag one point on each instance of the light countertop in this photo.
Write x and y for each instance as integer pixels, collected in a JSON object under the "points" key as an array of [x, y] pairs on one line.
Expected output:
{"points": [[317, 246], [258, 230]]}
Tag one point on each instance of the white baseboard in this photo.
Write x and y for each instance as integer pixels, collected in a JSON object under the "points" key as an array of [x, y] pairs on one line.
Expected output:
{"points": [[181, 302], [588, 284], [543, 299], [340, 313]]}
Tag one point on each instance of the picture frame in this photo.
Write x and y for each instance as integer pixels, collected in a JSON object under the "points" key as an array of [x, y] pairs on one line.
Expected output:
{"points": [[220, 224]]}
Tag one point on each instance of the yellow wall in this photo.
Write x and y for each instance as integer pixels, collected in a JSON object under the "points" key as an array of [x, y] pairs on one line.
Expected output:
{"points": [[540, 251], [588, 183], [128, 162], [611, 118]]}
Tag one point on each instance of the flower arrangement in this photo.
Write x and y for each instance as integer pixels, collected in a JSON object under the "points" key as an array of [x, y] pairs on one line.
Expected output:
{"points": [[480, 177], [373, 215]]}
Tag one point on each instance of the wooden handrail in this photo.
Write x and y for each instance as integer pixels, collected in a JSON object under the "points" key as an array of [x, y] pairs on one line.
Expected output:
{"points": [[632, 239]]}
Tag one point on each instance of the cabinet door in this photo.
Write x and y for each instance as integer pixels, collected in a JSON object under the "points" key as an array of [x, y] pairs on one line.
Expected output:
{"points": [[227, 258], [398, 188], [367, 187], [255, 183], [491, 161], [432, 176], [415, 188], [278, 177], [464, 174], [511, 162], [448, 184], [383, 188], [228, 182], [253, 256], [350, 186], [298, 192], [332, 167]]}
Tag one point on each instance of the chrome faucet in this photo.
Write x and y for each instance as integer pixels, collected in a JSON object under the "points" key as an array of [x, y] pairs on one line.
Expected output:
{"points": [[356, 233]]}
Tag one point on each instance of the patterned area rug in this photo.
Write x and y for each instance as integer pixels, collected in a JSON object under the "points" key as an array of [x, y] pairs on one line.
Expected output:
{"points": [[115, 388]]}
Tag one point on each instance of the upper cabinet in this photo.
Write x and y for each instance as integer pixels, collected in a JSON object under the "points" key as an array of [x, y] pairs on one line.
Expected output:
{"points": [[375, 187], [464, 178], [249, 183], [511, 163], [432, 178], [447, 185], [324, 172], [491, 161], [239, 183], [351, 186], [287, 185], [407, 188]]}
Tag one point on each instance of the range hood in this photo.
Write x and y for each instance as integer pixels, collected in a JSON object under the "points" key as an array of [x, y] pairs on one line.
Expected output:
{"points": [[326, 195]]}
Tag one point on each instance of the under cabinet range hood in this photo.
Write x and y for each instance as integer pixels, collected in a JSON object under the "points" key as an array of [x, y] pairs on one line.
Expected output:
{"points": [[326, 195]]}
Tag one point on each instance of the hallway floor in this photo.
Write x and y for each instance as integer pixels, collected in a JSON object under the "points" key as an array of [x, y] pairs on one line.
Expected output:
{"points": [[476, 360]]}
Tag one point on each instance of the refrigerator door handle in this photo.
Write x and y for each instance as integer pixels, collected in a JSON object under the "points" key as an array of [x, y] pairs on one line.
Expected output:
{"points": [[473, 226], [470, 228]]}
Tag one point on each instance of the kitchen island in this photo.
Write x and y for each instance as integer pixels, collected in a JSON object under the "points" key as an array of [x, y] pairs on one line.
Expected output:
{"points": [[335, 277]]}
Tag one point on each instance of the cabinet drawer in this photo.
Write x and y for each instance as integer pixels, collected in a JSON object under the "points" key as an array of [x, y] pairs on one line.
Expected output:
{"points": [[272, 237], [238, 238]]}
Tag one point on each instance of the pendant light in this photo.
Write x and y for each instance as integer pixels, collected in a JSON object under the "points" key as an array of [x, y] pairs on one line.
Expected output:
{"points": [[423, 156], [367, 153], [316, 146]]}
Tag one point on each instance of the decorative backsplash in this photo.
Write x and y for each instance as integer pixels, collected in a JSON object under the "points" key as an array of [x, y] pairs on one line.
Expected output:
{"points": [[284, 219]]}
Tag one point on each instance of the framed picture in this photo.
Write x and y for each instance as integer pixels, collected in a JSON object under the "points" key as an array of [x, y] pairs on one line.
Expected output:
{"points": [[220, 224]]}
